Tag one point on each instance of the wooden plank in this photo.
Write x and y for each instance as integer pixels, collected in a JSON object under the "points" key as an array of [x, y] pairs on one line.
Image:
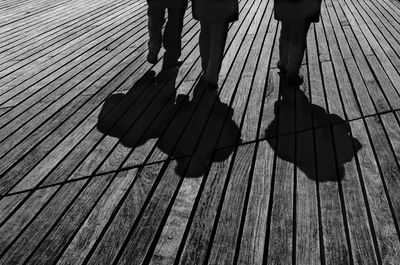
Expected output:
{"points": [[101, 35], [16, 6], [217, 130], [351, 106], [388, 39], [140, 236], [45, 77], [363, 96], [281, 222], [148, 99], [28, 209], [261, 91], [144, 120], [307, 245], [334, 26], [46, 37], [254, 75], [28, 14], [8, 205], [392, 7], [182, 124], [58, 43], [322, 42], [362, 245], [377, 201], [21, 246], [386, 161], [334, 105], [307, 219], [52, 21], [95, 43], [74, 222], [89, 106], [38, 23], [375, 43], [328, 220], [378, 97], [133, 205], [255, 226], [391, 126], [336, 249], [103, 214], [69, 92], [389, 21], [227, 232], [108, 145], [198, 239], [170, 238], [102, 94]]}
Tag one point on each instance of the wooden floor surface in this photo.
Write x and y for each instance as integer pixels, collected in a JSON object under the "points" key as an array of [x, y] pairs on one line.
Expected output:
{"points": [[106, 159]]}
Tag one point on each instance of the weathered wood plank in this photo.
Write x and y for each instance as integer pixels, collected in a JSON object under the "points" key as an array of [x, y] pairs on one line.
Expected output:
{"points": [[362, 245], [378, 203], [20, 248], [52, 25], [255, 226], [113, 236]]}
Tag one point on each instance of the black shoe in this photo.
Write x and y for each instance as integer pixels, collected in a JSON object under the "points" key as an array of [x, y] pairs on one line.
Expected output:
{"points": [[283, 70], [170, 64], [212, 86], [152, 57], [295, 80]]}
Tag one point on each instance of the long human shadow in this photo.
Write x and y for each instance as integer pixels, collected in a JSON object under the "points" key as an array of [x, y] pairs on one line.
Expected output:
{"points": [[192, 128], [320, 154]]}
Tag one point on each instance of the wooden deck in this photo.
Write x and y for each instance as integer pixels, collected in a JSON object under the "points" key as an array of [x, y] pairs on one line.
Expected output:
{"points": [[105, 159]]}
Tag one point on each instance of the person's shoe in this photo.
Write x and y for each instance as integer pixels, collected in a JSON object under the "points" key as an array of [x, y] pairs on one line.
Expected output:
{"points": [[174, 63], [295, 80], [283, 70], [212, 86], [152, 57]]}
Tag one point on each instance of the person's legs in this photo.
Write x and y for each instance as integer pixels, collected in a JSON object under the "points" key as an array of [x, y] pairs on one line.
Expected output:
{"points": [[204, 44], [156, 13], [297, 48], [219, 33], [284, 40], [173, 31]]}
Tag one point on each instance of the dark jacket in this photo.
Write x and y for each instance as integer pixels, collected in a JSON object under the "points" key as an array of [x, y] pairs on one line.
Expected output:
{"points": [[297, 10], [215, 11]]}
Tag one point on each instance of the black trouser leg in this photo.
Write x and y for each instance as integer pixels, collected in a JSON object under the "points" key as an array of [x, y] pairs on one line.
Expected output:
{"points": [[297, 47], [156, 13], [204, 44], [173, 31]]}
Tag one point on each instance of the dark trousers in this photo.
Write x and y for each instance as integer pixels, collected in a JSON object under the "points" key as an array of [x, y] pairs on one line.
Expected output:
{"points": [[212, 43], [292, 44], [171, 39]]}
